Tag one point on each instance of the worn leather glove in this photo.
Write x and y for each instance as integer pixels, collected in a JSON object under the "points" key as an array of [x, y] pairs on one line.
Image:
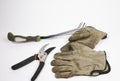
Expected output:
{"points": [[81, 61], [88, 36]]}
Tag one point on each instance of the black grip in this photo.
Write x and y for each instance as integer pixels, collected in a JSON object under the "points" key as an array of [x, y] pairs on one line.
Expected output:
{"points": [[19, 38], [23, 63], [38, 71]]}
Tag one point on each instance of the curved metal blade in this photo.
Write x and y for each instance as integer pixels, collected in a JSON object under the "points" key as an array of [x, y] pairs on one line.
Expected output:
{"points": [[42, 49]]}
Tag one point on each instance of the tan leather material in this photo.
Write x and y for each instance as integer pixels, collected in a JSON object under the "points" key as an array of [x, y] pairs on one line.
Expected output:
{"points": [[88, 36], [81, 60], [78, 63], [77, 57], [75, 46]]}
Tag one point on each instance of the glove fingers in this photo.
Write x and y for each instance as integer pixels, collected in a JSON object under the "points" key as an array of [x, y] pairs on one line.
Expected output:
{"points": [[64, 56], [62, 69], [59, 62], [76, 46], [66, 48], [80, 47], [72, 46], [80, 34], [63, 75]]}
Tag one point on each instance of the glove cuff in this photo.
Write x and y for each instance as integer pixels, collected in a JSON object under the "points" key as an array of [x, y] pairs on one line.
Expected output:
{"points": [[99, 72]]}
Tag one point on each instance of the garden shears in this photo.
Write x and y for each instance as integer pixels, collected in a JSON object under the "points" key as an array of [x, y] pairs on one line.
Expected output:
{"points": [[41, 56]]}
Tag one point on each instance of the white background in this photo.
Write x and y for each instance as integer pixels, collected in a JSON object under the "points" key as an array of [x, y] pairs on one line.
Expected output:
{"points": [[44, 17]]}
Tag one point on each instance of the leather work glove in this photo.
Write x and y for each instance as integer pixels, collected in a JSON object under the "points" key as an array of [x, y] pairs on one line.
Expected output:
{"points": [[88, 36], [85, 61]]}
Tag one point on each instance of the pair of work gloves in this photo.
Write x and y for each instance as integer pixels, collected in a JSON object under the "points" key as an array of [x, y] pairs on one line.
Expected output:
{"points": [[78, 56]]}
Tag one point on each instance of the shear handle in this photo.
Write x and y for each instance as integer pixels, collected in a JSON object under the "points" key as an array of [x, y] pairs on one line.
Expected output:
{"points": [[37, 71], [24, 62]]}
